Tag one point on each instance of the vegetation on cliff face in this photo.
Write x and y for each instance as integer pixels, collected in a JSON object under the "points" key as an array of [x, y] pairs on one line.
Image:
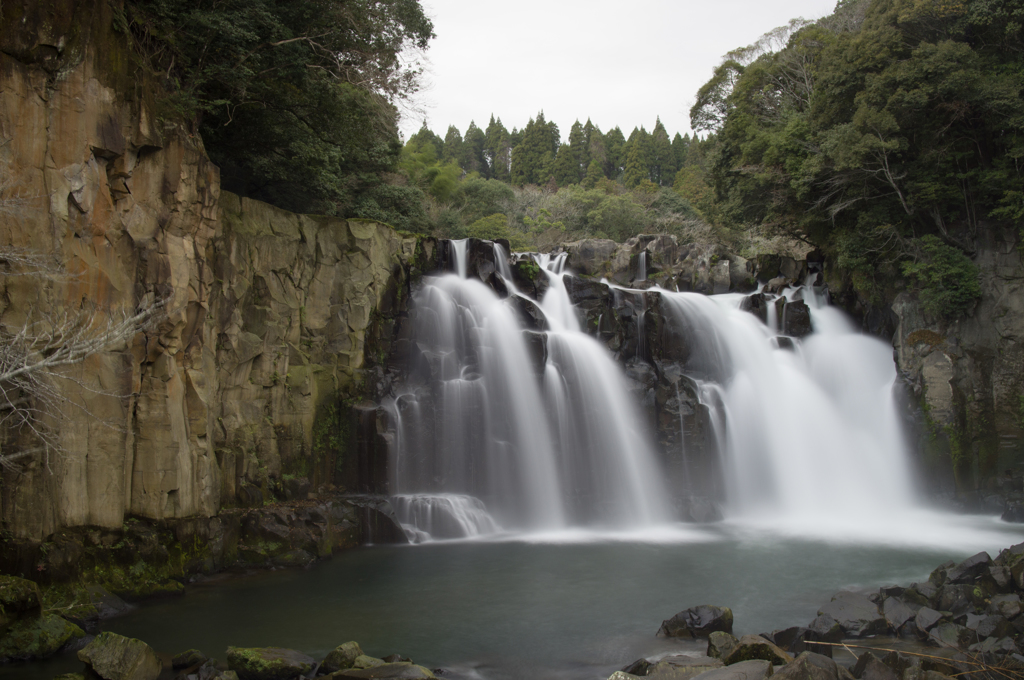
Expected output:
{"points": [[295, 101], [884, 133]]}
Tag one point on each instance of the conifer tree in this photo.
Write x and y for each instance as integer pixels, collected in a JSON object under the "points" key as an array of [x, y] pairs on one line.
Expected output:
{"points": [[595, 173], [452, 151], [498, 149], [566, 169], [473, 145], [680, 145], [636, 170], [615, 143], [578, 151], [534, 157], [662, 161]]}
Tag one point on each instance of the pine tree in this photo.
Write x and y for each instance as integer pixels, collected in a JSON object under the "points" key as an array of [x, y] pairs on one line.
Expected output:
{"points": [[534, 157], [636, 170], [615, 143], [452, 151], [566, 168], [663, 161], [473, 145], [680, 145], [498, 150], [578, 151], [594, 174]]}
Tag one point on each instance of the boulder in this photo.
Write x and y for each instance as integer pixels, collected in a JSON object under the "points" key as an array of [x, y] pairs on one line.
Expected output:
{"points": [[756, 304], [856, 614], [799, 639], [970, 569], [19, 598], [755, 669], [951, 636], [269, 663], [794, 317], [341, 657], [188, 659], [992, 625], [1008, 606], [637, 668], [810, 666], [826, 628], [721, 644], [116, 657], [401, 670], [958, 598], [698, 622], [756, 647], [896, 612], [927, 618], [870, 667], [682, 667], [37, 638], [364, 661], [622, 675]]}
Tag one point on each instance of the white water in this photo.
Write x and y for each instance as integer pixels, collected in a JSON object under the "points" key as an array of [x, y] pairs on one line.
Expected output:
{"points": [[811, 442], [544, 449], [428, 517]]}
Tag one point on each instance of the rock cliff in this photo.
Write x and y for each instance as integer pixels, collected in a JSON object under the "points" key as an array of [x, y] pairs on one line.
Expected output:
{"points": [[271, 318]]}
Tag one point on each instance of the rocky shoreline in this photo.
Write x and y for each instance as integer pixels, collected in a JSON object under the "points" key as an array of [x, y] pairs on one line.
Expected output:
{"points": [[966, 619]]}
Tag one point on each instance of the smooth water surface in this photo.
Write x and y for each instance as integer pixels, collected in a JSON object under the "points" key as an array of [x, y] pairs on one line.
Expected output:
{"points": [[565, 605]]}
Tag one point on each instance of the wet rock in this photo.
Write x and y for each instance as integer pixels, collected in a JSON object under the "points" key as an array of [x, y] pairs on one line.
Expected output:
{"points": [[857, 615], [951, 635], [397, 671], [957, 599], [1008, 605], [529, 314], [755, 669], [296, 488], [927, 618], [622, 675], [116, 657], [341, 657], [698, 622], [756, 647], [794, 317], [592, 256], [826, 628], [938, 576], [970, 569], [992, 625], [720, 644], [19, 598], [37, 638], [682, 667], [188, 658], [757, 305], [1001, 578], [378, 521], [364, 661], [637, 668], [777, 285], [993, 645], [811, 666], [529, 279], [799, 639], [870, 667], [269, 663], [896, 612]]}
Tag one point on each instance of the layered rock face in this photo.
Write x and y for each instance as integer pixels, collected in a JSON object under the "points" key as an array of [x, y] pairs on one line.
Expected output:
{"points": [[268, 315]]}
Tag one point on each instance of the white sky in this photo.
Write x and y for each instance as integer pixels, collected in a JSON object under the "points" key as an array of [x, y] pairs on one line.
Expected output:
{"points": [[620, 63]]}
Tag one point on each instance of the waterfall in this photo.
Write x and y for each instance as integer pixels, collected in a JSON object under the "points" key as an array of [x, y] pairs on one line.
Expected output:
{"points": [[534, 426], [810, 428]]}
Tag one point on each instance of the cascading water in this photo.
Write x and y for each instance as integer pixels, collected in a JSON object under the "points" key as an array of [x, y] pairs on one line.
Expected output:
{"points": [[810, 434], [535, 425]]}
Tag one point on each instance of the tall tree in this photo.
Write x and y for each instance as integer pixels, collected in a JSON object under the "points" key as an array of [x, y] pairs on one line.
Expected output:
{"points": [[451, 151], [662, 161], [533, 158], [473, 151], [578, 150], [615, 143]]}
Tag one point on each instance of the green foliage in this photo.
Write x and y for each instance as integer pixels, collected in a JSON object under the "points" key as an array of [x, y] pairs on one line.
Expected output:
{"points": [[494, 227], [294, 101], [947, 280]]}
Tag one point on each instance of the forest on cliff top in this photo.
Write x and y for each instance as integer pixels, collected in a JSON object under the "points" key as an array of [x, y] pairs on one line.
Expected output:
{"points": [[886, 134]]}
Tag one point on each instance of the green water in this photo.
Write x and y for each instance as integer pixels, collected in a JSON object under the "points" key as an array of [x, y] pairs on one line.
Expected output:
{"points": [[516, 609]]}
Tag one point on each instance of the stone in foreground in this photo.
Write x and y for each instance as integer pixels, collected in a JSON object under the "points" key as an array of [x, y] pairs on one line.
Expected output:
{"points": [[756, 647], [116, 657], [720, 644], [402, 670], [812, 666], [341, 657], [269, 663], [682, 667], [856, 614], [755, 669], [698, 622]]}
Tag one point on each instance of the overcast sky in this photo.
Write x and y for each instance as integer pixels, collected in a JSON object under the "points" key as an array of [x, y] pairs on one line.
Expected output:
{"points": [[618, 63]]}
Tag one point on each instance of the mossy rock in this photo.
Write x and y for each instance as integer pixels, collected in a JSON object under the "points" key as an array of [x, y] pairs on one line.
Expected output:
{"points": [[37, 638], [19, 598], [116, 657], [268, 663], [150, 590], [341, 657], [394, 671]]}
